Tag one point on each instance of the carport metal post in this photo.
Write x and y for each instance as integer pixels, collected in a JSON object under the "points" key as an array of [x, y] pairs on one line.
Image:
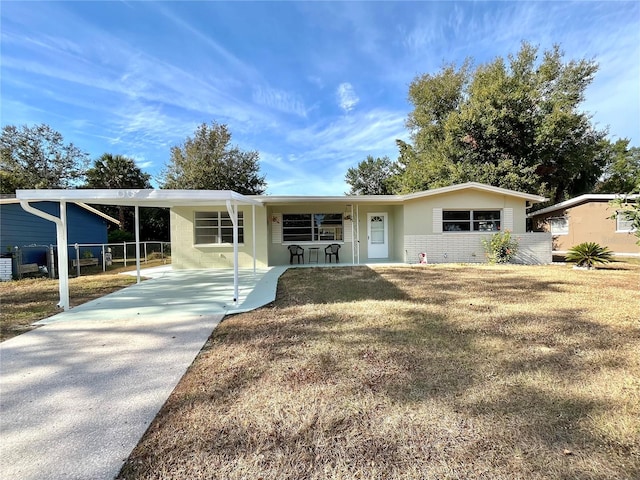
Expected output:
{"points": [[63, 253], [253, 218], [233, 213], [137, 215]]}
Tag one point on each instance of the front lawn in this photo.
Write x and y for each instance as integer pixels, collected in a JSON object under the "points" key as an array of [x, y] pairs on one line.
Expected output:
{"points": [[440, 372], [31, 299]]}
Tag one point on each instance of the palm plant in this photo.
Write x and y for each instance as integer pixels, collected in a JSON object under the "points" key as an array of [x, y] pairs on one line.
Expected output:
{"points": [[587, 254]]}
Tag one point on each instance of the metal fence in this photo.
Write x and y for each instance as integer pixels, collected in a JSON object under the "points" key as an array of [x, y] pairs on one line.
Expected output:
{"points": [[30, 260]]}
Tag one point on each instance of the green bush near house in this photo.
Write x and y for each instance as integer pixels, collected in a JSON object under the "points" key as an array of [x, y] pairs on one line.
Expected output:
{"points": [[501, 248], [588, 254]]}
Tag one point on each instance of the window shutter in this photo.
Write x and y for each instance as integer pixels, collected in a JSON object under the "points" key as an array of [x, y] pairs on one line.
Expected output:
{"points": [[437, 220], [508, 219], [276, 228], [348, 231]]}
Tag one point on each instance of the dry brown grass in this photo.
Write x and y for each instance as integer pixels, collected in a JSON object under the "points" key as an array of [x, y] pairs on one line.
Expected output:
{"points": [[443, 372], [25, 301]]}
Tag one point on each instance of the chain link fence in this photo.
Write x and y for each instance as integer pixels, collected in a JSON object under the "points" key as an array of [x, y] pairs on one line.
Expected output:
{"points": [[41, 260]]}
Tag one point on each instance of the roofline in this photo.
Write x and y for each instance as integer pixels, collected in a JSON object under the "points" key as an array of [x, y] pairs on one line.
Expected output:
{"points": [[140, 197], [348, 199], [98, 212], [476, 186], [13, 200], [581, 199], [173, 198], [400, 198]]}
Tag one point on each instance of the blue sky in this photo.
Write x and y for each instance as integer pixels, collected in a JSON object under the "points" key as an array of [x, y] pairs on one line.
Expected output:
{"points": [[315, 87]]}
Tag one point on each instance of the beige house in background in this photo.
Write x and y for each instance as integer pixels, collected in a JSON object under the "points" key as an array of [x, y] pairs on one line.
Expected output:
{"points": [[446, 224], [587, 218]]}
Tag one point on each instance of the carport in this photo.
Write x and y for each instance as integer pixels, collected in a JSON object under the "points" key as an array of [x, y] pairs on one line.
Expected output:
{"points": [[136, 198]]}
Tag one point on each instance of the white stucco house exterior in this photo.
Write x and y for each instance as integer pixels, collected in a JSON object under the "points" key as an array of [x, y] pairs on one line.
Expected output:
{"points": [[447, 224]]}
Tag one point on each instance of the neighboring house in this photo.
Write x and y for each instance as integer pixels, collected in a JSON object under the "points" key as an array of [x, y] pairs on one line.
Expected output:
{"points": [[447, 224], [19, 228], [587, 218]]}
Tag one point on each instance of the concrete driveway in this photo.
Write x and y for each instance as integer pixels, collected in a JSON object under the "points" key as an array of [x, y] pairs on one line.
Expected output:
{"points": [[77, 394]]}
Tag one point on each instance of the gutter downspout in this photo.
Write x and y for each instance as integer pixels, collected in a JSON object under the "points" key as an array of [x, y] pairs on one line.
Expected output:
{"points": [[63, 254]]}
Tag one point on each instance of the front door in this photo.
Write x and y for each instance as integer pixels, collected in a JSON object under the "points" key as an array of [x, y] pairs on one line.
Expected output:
{"points": [[378, 235]]}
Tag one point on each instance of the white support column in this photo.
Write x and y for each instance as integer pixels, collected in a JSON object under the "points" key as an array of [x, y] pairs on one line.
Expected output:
{"points": [[233, 214], [358, 231], [353, 237], [63, 258], [63, 254], [137, 215], [253, 217]]}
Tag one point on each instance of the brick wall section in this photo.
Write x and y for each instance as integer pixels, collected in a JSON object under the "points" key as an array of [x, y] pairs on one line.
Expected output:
{"points": [[534, 248], [5, 269]]}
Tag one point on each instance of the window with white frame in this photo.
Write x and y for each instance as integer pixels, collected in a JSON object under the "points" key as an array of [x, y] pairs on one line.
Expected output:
{"points": [[312, 227], [623, 222], [216, 228], [471, 220], [559, 225]]}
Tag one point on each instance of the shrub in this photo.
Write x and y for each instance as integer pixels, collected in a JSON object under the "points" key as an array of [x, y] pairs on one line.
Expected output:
{"points": [[501, 247], [587, 254], [157, 256], [117, 236]]}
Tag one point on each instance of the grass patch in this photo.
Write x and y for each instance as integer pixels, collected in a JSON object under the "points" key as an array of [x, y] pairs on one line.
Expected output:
{"points": [[443, 372], [29, 300]]}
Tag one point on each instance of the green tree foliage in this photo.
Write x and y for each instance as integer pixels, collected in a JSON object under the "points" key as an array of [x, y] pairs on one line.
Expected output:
{"points": [[629, 209], [622, 173], [370, 177], [208, 162], [37, 157], [117, 172], [511, 123]]}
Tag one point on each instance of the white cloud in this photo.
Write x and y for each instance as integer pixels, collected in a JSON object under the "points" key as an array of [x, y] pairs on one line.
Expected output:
{"points": [[347, 97], [372, 131], [279, 100]]}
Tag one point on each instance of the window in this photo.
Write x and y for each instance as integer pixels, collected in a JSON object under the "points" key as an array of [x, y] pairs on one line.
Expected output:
{"points": [[311, 227], [216, 227], [623, 223], [471, 220], [559, 225]]}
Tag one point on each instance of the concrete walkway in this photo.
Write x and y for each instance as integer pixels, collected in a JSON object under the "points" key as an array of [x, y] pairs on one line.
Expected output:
{"points": [[77, 394]]}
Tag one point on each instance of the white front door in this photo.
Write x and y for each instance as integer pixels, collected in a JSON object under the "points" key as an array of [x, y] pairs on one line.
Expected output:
{"points": [[378, 235]]}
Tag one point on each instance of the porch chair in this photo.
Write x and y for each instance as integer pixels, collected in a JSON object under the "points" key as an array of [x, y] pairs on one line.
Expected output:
{"points": [[331, 251], [296, 251]]}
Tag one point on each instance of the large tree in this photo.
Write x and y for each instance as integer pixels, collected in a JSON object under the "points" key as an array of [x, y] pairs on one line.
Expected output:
{"points": [[622, 173], [207, 161], [37, 157], [370, 177], [116, 172], [512, 123]]}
